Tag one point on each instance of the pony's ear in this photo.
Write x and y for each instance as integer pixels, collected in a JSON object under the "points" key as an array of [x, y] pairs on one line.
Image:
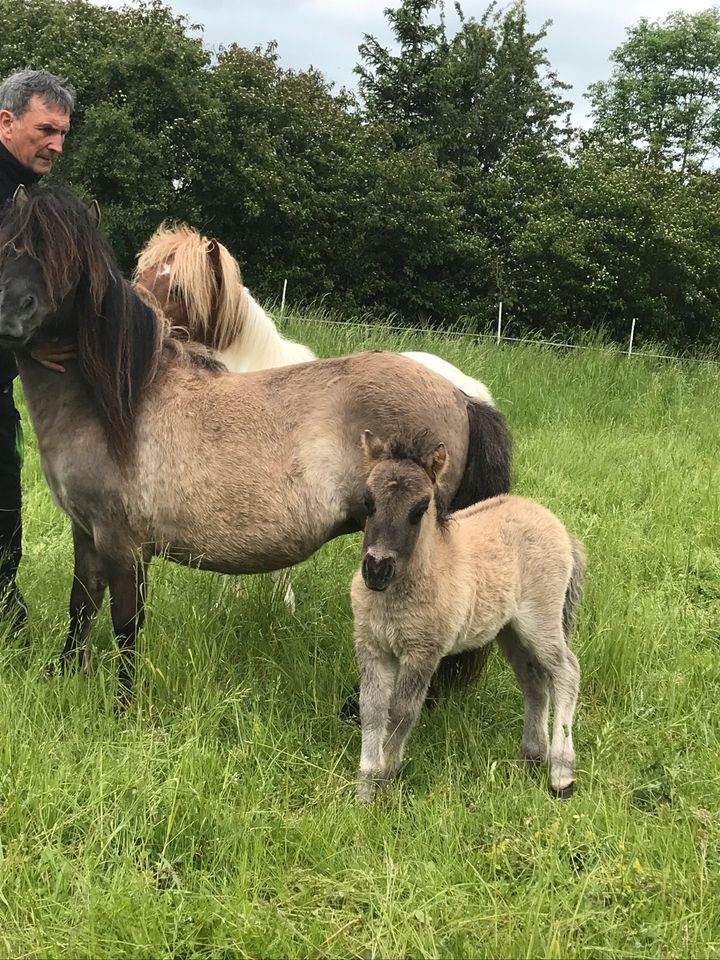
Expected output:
{"points": [[94, 211], [21, 196], [435, 463], [216, 264], [375, 448]]}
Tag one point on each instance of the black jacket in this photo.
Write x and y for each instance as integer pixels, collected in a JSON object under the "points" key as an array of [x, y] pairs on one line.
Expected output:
{"points": [[12, 174]]}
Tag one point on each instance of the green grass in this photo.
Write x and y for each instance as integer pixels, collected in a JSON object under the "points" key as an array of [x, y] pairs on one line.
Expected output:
{"points": [[217, 819]]}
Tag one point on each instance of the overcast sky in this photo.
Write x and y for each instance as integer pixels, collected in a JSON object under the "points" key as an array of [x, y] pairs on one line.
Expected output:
{"points": [[326, 33]]}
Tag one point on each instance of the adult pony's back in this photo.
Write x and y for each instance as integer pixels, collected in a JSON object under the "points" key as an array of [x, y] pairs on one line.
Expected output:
{"points": [[199, 286], [152, 448]]}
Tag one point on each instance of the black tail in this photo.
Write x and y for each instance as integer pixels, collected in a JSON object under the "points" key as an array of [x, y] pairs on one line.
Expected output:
{"points": [[574, 588], [489, 456], [487, 474]]}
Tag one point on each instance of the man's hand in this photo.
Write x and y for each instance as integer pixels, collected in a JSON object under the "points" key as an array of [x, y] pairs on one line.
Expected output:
{"points": [[51, 353]]}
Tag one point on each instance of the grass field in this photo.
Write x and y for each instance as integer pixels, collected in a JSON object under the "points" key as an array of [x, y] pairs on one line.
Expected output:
{"points": [[217, 819]]}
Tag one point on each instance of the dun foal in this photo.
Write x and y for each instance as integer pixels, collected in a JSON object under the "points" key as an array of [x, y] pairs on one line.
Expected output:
{"points": [[431, 585]]}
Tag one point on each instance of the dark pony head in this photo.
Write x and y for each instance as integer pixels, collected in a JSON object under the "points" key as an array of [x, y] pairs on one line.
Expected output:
{"points": [[58, 276]]}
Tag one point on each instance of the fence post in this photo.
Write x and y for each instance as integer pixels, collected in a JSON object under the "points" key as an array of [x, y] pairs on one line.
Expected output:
{"points": [[632, 336], [282, 302], [499, 333]]}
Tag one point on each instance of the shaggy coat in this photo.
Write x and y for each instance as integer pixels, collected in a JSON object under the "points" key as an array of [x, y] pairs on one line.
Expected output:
{"points": [[432, 585]]}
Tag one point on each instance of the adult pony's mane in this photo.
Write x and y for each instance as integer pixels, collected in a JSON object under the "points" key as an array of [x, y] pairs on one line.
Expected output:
{"points": [[120, 337], [205, 276]]}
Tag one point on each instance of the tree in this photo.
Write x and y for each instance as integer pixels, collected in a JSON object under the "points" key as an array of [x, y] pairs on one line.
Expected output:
{"points": [[664, 93], [472, 96]]}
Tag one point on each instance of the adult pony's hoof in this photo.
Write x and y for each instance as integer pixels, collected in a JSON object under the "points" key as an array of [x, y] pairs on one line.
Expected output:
{"points": [[58, 668], [350, 710], [564, 793]]}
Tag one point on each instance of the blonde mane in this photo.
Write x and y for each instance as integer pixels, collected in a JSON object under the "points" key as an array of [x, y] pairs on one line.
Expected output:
{"points": [[185, 253]]}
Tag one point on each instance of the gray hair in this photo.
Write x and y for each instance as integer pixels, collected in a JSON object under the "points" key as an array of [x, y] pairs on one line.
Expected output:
{"points": [[17, 90]]}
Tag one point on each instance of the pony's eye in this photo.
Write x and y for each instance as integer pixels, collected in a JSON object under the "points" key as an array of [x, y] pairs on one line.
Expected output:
{"points": [[369, 503], [416, 514]]}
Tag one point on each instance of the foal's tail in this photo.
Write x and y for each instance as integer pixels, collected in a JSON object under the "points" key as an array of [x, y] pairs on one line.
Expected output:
{"points": [[574, 587], [489, 456]]}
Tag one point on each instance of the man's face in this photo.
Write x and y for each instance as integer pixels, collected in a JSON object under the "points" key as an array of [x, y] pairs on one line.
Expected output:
{"points": [[36, 138]]}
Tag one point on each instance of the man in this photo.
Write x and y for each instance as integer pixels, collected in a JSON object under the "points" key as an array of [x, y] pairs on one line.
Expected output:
{"points": [[35, 109]]}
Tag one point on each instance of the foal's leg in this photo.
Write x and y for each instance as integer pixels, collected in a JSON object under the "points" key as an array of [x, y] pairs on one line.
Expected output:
{"points": [[377, 679], [565, 684], [86, 597], [408, 697], [532, 680], [127, 581], [544, 638]]}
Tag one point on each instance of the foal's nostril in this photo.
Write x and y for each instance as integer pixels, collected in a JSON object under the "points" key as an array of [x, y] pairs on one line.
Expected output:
{"points": [[377, 572], [28, 302]]}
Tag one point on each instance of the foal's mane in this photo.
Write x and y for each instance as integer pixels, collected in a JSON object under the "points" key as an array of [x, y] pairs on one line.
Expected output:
{"points": [[205, 275], [121, 339]]}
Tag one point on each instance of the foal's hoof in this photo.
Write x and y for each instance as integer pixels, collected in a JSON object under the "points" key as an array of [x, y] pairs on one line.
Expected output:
{"points": [[564, 793]]}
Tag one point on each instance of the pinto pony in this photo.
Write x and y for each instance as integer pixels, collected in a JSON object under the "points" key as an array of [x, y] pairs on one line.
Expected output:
{"points": [[152, 448], [432, 585], [199, 286]]}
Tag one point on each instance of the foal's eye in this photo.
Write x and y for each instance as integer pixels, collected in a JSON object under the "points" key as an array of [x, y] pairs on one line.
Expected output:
{"points": [[416, 514], [369, 503]]}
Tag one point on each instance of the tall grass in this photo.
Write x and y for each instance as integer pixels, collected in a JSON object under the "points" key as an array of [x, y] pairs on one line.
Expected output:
{"points": [[217, 818]]}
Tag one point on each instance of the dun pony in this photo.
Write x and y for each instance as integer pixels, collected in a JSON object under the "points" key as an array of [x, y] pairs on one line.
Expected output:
{"points": [[152, 448], [433, 584]]}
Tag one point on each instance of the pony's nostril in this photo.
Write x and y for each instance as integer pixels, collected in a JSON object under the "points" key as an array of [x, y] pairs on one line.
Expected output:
{"points": [[28, 302], [377, 572]]}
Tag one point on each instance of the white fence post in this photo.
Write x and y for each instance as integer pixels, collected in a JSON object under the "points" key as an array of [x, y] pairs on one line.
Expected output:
{"points": [[499, 333], [632, 336], [282, 302]]}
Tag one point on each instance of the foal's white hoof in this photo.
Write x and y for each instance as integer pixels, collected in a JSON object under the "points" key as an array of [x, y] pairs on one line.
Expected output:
{"points": [[563, 793]]}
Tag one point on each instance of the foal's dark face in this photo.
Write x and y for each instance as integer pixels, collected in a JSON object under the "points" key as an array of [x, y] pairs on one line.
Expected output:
{"points": [[24, 302], [397, 497]]}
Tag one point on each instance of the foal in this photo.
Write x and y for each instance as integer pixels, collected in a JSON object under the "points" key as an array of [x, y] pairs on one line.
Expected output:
{"points": [[431, 585]]}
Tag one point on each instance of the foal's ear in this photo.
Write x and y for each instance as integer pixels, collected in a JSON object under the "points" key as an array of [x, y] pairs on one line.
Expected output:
{"points": [[94, 211], [435, 463], [375, 448], [21, 196]]}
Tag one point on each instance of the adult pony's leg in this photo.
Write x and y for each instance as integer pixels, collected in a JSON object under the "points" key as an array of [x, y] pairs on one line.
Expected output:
{"points": [[127, 581], [86, 597], [282, 587], [533, 683]]}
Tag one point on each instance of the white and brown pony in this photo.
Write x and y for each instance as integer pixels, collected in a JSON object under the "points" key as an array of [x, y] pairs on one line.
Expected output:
{"points": [[433, 585], [199, 286], [152, 448]]}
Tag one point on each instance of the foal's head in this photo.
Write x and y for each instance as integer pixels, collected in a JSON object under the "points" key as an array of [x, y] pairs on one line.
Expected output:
{"points": [[401, 495]]}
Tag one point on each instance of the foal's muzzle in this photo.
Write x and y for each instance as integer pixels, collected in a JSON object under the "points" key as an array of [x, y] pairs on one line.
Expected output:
{"points": [[377, 573]]}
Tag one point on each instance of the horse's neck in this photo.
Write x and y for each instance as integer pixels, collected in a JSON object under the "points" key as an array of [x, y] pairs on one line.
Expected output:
{"points": [[259, 345], [56, 401]]}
